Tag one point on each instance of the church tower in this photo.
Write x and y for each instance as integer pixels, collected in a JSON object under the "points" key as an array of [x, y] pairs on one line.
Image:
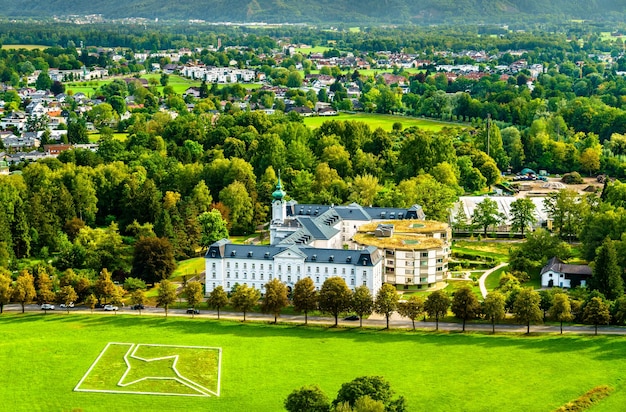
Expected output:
{"points": [[279, 209]]}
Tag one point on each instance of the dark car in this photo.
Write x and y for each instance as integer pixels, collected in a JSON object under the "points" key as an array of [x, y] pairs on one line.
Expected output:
{"points": [[193, 311], [351, 317], [137, 307]]}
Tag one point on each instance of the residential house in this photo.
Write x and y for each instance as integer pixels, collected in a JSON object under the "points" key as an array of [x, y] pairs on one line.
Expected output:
{"points": [[558, 274]]}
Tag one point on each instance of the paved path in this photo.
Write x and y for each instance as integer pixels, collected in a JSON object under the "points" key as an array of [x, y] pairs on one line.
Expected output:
{"points": [[395, 322], [481, 281]]}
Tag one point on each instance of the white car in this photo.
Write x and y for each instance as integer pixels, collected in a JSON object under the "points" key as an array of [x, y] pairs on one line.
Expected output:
{"points": [[47, 306], [63, 305], [110, 307]]}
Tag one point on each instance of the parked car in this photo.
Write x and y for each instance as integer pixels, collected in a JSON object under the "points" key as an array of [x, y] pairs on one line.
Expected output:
{"points": [[137, 307], [193, 311], [351, 317], [71, 305], [99, 305], [110, 308], [47, 306]]}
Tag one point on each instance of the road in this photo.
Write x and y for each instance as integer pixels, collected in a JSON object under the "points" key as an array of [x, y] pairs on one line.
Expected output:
{"points": [[401, 323]]}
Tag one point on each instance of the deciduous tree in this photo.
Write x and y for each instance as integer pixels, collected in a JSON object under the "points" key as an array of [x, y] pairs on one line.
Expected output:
{"points": [[362, 302], [213, 228], [596, 312], [104, 286], [307, 399], [486, 214], [412, 308], [465, 304], [66, 295], [153, 259], [526, 307], [6, 288], [275, 298], [386, 301], [166, 295], [194, 293], [437, 304], [335, 297], [493, 308], [218, 298], [244, 299], [24, 289], [138, 299], [91, 301], [561, 310], [522, 214], [305, 296]]}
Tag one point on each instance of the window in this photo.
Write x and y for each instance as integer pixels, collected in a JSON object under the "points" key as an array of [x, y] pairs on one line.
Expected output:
{"points": [[325, 270], [213, 265], [280, 268], [236, 275], [308, 269], [364, 282], [245, 275], [352, 271], [317, 269], [439, 260], [424, 254], [352, 281], [298, 268], [228, 264], [288, 268], [261, 276], [213, 275], [271, 276], [288, 278], [390, 262], [244, 265], [236, 265], [343, 271], [439, 268], [213, 285], [364, 273], [261, 266], [317, 279], [228, 285], [269, 267], [253, 266], [253, 276], [335, 271], [227, 275], [280, 277]]}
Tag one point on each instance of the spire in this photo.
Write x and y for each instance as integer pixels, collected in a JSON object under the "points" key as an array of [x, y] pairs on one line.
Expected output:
{"points": [[279, 193]]}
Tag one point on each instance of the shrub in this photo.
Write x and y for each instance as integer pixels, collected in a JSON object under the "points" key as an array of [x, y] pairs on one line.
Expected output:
{"points": [[572, 178]]}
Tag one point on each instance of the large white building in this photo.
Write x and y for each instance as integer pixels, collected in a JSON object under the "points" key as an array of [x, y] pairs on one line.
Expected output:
{"points": [[321, 241]]}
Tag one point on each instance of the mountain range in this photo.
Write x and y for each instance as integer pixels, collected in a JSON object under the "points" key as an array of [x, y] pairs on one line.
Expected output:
{"points": [[324, 11]]}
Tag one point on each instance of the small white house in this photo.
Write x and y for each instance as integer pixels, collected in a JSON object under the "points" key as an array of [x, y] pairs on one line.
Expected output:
{"points": [[558, 274]]}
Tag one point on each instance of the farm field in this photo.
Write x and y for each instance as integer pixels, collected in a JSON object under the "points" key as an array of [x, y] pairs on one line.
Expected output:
{"points": [[45, 356], [24, 46], [383, 121]]}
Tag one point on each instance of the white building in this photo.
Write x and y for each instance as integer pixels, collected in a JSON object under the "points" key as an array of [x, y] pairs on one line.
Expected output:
{"points": [[227, 264]]}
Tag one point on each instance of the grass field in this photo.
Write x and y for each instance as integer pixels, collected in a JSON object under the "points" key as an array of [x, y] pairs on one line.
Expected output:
{"points": [[189, 268], [380, 120], [24, 46], [44, 357]]}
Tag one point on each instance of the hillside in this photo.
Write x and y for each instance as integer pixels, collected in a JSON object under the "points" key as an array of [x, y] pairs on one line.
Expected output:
{"points": [[324, 11]]}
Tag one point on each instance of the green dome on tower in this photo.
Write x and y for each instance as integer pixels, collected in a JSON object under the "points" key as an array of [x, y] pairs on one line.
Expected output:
{"points": [[279, 193]]}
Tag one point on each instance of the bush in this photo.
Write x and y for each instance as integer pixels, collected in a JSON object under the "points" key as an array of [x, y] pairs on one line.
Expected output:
{"points": [[587, 400], [573, 178]]}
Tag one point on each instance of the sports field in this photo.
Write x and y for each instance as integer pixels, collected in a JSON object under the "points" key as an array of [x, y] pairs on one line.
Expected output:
{"points": [[383, 121], [44, 357]]}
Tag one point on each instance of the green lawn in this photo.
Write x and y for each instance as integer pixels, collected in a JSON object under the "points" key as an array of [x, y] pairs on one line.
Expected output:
{"points": [[189, 268], [380, 120], [44, 357], [493, 280], [95, 137]]}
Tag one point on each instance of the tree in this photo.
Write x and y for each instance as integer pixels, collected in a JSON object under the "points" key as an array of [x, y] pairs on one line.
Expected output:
{"points": [[596, 312], [166, 295], [526, 307], [218, 298], [6, 289], [437, 304], [307, 399], [244, 299], [104, 286], [236, 197], [493, 308], [91, 301], [138, 299], [194, 293], [590, 160], [561, 310], [386, 301], [153, 259], [567, 211], [275, 298], [522, 214], [213, 227], [607, 275], [44, 288], [465, 304], [43, 81], [24, 289], [362, 302], [335, 297], [376, 387], [66, 295], [304, 297], [486, 214], [412, 308]]}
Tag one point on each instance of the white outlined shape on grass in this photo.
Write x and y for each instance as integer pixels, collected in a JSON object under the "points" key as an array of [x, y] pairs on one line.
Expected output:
{"points": [[201, 390]]}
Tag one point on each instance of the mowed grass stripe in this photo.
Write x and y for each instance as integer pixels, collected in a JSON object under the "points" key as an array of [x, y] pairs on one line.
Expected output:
{"points": [[45, 356]]}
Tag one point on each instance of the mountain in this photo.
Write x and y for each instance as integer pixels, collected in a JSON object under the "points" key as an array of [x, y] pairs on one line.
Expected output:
{"points": [[324, 11]]}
